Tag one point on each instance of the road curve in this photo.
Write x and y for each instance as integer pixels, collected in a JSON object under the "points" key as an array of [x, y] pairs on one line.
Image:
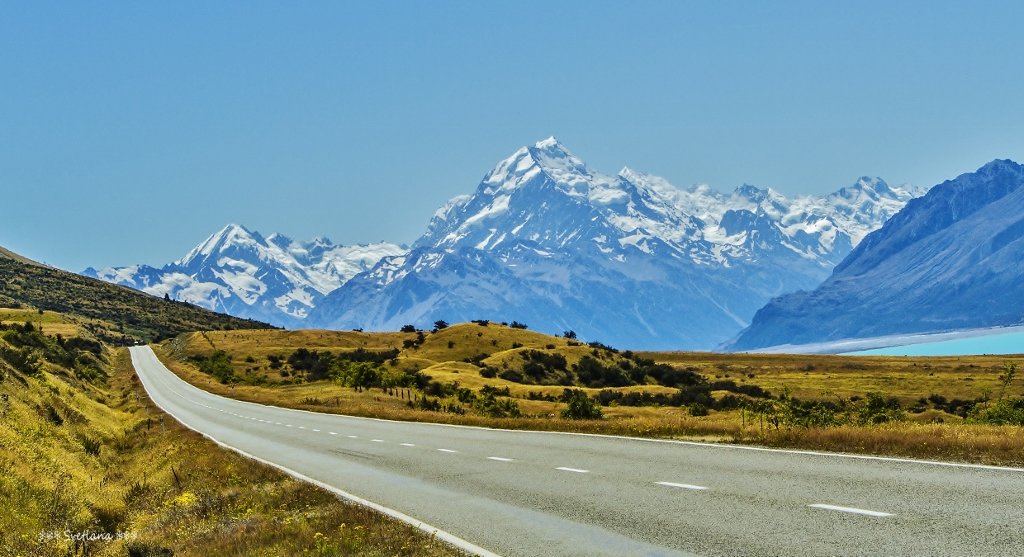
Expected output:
{"points": [[534, 493]]}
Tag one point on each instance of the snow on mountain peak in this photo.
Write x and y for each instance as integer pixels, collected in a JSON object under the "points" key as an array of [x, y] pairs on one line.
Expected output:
{"points": [[548, 143], [547, 157], [238, 271], [231, 235], [548, 197]]}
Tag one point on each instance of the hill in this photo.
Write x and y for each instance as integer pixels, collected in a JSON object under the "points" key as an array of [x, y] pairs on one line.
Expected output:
{"points": [[494, 375], [113, 314], [949, 260], [89, 466]]}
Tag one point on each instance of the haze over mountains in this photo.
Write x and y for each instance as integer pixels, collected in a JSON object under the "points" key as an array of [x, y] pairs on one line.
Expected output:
{"points": [[950, 260], [626, 259]]}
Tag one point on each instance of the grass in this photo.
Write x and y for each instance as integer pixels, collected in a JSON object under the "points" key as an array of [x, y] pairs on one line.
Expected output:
{"points": [[820, 377], [932, 433], [98, 457]]}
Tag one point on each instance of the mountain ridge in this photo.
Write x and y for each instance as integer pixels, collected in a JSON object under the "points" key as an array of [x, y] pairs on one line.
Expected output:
{"points": [[112, 313], [948, 261], [547, 240], [241, 272]]}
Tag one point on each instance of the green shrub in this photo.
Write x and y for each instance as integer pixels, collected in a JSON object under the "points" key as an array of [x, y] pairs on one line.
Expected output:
{"points": [[1002, 412], [580, 407], [698, 409]]}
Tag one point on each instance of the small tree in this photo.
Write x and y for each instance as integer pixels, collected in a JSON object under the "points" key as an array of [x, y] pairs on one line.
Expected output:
{"points": [[408, 329], [570, 334], [1007, 377], [579, 406], [440, 324]]}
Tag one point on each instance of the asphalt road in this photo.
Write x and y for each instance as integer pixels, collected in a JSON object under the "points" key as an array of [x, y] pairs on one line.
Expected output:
{"points": [[534, 493]]}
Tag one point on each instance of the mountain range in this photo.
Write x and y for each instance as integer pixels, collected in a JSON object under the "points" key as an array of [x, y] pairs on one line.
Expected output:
{"points": [[949, 260], [545, 240], [239, 272]]}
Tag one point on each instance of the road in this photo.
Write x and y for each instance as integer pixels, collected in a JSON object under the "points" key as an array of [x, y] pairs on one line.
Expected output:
{"points": [[533, 493]]}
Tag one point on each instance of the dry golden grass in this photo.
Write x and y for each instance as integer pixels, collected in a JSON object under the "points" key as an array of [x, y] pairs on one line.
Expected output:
{"points": [[51, 322], [809, 377], [825, 377], [107, 464]]}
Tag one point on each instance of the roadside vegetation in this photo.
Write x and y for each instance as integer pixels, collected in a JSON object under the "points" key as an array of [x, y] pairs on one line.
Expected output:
{"points": [[504, 375], [88, 466]]}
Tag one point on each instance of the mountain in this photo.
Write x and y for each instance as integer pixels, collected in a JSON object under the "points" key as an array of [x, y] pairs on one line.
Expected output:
{"points": [[112, 313], [949, 260], [238, 271], [627, 259]]}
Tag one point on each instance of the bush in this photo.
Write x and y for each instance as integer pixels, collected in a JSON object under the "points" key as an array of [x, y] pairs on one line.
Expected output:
{"points": [[511, 375], [1002, 412], [580, 407], [217, 364], [489, 405], [878, 410], [488, 372]]}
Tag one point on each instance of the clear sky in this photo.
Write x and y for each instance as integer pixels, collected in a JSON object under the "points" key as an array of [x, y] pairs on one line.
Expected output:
{"points": [[129, 131]]}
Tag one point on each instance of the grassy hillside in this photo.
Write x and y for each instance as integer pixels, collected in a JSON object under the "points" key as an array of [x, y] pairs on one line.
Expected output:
{"points": [[968, 408], [88, 466], [114, 314]]}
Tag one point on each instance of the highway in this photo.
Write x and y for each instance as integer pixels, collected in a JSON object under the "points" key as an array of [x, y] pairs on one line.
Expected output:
{"points": [[498, 492]]}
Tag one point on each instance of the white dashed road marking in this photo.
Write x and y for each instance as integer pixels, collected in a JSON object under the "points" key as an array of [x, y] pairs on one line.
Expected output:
{"points": [[447, 451], [877, 514], [682, 486], [577, 470], [499, 459]]}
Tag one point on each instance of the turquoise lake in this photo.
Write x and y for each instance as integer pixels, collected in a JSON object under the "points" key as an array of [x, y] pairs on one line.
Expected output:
{"points": [[1007, 343]]}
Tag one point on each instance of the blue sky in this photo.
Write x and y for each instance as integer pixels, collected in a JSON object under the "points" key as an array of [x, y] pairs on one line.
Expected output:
{"points": [[130, 131]]}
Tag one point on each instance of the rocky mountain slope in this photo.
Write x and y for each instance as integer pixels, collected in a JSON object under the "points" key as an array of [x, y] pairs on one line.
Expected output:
{"points": [[238, 271], [626, 259], [949, 260]]}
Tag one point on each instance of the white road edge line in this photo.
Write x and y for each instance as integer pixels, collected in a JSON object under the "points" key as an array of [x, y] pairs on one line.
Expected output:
{"points": [[682, 486], [876, 514], [500, 459], [418, 524], [577, 470]]}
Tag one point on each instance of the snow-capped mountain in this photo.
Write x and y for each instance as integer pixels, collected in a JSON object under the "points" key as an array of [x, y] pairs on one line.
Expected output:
{"points": [[627, 259], [949, 260], [238, 271]]}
